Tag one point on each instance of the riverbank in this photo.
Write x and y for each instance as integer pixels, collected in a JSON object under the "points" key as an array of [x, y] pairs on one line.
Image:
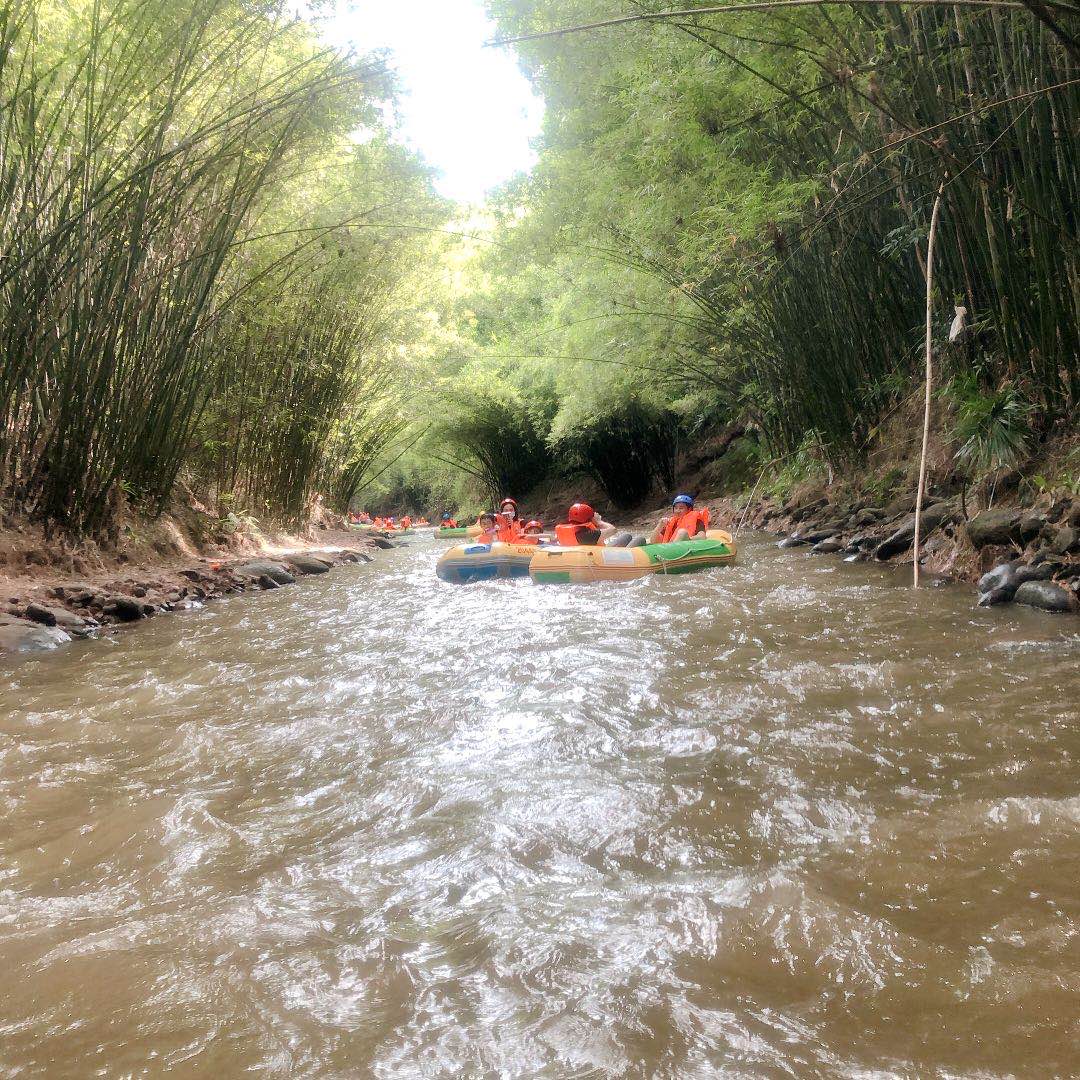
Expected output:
{"points": [[1023, 552], [52, 592]]}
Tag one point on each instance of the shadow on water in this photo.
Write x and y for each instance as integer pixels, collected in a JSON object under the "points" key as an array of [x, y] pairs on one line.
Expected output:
{"points": [[784, 818]]}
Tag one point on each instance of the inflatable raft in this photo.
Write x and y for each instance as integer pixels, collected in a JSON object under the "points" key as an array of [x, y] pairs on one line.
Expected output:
{"points": [[482, 562], [558, 565], [459, 531]]}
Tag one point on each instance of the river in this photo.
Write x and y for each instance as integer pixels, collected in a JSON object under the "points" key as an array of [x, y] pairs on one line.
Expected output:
{"points": [[785, 818]]}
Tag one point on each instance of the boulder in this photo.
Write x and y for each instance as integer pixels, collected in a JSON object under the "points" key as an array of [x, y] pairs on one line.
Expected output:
{"points": [[1045, 595], [260, 568], [801, 513], [1044, 571], [1000, 526], [1002, 578], [309, 564], [933, 517], [75, 592], [40, 614], [381, 542], [20, 636], [999, 595], [1030, 525], [52, 616], [791, 542], [862, 518], [1065, 540], [123, 608], [902, 504], [828, 547], [267, 582], [816, 535]]}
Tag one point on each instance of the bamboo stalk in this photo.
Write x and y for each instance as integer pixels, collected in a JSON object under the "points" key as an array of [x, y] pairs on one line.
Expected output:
{"points": [[921, 490]]}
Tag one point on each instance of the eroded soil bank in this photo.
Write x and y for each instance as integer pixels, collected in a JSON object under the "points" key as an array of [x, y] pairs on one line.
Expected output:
{"points": [[52, 592]]}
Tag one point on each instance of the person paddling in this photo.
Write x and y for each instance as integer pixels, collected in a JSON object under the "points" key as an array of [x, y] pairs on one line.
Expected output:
{"points": [[685, 522], [448, 522], [583, 527]]}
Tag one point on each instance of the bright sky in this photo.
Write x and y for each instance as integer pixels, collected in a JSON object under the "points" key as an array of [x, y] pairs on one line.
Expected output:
{"points": [[467, 109]]}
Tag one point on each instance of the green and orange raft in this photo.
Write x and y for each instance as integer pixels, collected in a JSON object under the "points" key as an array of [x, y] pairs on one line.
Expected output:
{"points": [[562, 565]]}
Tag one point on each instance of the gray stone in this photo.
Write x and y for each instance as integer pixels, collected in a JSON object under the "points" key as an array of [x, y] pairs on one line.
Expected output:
{"points": [[1065, 540], [816, 535], [20, 636], [902, 504], [863, 518], [1000, 526], [933, 517], [381, 542], [791, 542], [999, 595], [1030, 525], [308, 564], [260, 568], [1045, 595], [828, 547], [1044, 571], [1002, 577], [267, 582], [53, 616], [123, 608], [40, 614]]}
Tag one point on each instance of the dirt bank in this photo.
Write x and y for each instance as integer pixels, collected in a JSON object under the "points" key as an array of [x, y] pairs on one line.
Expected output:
{"points": [[1015, 551], [52, 591]]}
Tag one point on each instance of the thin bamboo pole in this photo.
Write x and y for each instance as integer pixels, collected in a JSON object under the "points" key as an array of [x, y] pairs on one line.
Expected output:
{"points": [[929, 379], [765, 5]]}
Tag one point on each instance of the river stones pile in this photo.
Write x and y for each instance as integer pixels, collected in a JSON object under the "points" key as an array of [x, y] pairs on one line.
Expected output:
{"points": [[1033, 552], [77, 609]]}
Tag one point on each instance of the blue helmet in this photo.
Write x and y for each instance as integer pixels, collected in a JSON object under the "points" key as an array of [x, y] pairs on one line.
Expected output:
{"points": [[446, 517], [686, 500]]}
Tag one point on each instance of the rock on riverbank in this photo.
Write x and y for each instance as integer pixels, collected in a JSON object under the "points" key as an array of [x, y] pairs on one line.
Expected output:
{"points": [[48, 615], [1023, 554]]}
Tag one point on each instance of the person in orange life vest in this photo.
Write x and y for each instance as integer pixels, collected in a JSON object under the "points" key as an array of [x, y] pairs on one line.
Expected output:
{"points": [[534, 528], [583, 527], [448, 522], [379, 523], [685, 522], [510, 531], [406, 522], [489, 528]]}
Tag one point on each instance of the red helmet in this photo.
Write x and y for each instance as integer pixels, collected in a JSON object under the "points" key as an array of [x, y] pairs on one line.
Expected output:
{"points": [[512, 502], [581, 514], [535, 525]]}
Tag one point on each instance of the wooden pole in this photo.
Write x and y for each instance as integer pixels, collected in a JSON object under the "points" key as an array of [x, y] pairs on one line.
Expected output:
{"points": [[929, 379]]}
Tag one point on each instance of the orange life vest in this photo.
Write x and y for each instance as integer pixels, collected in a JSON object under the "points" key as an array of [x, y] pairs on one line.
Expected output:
{"points": [[450, 524], [406, 522], [693, 521], [509, 530], [569, 535]]}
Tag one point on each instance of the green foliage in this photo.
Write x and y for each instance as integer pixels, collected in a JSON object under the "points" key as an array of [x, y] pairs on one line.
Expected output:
{"points": [[184, 283], [625, 441], [992, 430], [736, 208]]}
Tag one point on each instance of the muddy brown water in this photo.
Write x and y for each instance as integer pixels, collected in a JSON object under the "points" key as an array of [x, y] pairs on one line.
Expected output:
{"points": [[780, 819]]}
